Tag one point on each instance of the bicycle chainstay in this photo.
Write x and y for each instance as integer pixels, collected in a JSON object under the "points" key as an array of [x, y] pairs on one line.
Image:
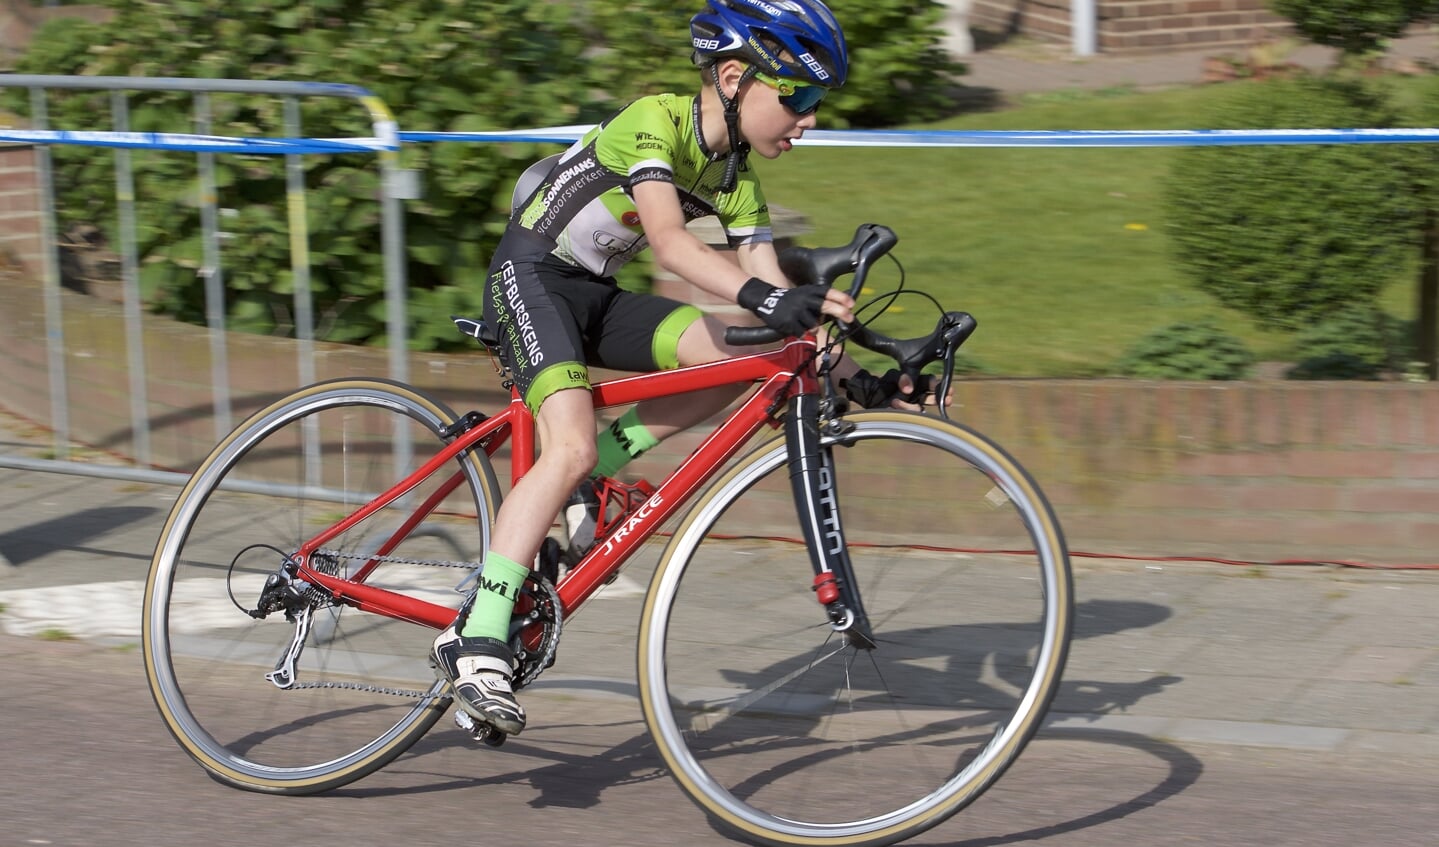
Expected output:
{"points": [[545, 611]]}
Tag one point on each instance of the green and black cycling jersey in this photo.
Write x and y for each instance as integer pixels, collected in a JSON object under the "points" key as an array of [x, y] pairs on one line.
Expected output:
{"points": [[551, 295], [585, 206]]}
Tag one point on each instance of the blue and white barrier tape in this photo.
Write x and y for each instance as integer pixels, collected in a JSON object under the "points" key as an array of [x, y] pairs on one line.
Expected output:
{"points": [[818, 138], [194, 143], [1014, 138]]}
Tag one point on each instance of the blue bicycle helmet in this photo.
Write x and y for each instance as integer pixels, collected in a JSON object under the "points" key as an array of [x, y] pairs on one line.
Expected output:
{"points": [[794, 39]]}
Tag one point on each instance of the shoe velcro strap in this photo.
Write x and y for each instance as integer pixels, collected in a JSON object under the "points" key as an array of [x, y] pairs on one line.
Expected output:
{"points": [[483, 664]]}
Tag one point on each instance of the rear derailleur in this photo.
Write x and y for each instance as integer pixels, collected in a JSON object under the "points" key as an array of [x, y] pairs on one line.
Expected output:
{"points": [[298, 599]]}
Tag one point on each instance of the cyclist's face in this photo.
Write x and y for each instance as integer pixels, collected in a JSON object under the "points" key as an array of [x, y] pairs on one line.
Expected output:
{"points": [[768, 125]]}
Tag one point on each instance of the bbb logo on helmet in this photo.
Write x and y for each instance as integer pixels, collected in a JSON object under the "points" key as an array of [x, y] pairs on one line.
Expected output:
{"points": [[707, 43], [813, 64]]}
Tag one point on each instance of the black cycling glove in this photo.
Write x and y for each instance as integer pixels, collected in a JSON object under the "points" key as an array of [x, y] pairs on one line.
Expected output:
{"points": [[792, 311], [872, 391]]}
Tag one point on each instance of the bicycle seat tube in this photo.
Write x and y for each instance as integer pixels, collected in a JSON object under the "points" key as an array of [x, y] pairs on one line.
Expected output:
{"points": [[816, 500]]}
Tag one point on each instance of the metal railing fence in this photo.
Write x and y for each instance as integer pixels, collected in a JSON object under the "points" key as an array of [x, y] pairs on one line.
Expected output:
{"points": [[397, 186], [383, 143]]}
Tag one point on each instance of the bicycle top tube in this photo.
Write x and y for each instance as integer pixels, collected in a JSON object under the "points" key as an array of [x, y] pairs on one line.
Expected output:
{"points": [[793, 359], [516, 424], [783, 372]]}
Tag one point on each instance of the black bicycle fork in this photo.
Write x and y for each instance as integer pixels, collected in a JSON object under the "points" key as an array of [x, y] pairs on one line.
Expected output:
{"points": [[816, 500]]}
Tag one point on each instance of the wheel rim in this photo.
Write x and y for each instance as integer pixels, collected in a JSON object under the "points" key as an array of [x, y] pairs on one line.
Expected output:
{"points": [[795, 791], [365, 689]]}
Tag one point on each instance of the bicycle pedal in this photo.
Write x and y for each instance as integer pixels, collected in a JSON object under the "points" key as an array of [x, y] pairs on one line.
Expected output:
{"points": [[478, 730], [548, 561]]}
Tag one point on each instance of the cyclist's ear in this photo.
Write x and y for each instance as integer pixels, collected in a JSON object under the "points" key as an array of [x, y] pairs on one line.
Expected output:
{"points": [[730, 72]]}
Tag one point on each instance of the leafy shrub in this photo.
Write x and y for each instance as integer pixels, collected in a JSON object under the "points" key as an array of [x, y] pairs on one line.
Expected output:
{"points": [[898, 70], [1357, 343], [1289, 233], [441, 65], [1198, 350], [1356, 27]]}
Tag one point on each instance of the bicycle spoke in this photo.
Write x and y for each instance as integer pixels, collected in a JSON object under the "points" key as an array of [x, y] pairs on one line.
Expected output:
{"points": [[362, 689], [786, 731]]}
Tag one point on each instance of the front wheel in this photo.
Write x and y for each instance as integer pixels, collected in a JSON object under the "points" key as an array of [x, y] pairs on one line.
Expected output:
{"points": [[362, 690], [784, 732]]}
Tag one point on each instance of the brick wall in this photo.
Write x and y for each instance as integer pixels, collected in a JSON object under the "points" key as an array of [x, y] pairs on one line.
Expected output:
{"points": [[20, 222], [1134, 25], [1257, 471]]}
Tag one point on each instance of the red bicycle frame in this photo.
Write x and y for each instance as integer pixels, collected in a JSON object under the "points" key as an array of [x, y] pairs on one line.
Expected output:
{"points": [[782, 373]]}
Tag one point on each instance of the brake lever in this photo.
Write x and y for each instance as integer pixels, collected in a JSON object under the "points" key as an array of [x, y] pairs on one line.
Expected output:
{"points": [[954, 329]]}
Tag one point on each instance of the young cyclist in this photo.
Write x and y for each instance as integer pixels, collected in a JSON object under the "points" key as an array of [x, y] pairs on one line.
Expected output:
{"points": [[630, 183]]}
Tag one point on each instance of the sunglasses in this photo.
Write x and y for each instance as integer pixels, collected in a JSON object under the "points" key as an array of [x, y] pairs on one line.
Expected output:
{"points": [[799, 97]]}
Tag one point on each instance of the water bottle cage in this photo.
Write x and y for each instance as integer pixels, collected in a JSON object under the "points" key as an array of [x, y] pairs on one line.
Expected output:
{"points": [[619, 501]]}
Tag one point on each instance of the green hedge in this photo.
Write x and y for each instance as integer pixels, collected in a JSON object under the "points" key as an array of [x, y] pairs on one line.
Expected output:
{"points": [[441, 65], [1198, 350], [1291, 234]]}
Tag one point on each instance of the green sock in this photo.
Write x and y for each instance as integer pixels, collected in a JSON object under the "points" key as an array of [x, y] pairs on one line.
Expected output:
{"points": [[494, 601], [625, 439]]}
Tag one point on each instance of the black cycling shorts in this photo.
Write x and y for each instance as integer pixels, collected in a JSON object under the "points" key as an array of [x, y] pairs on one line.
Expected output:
{"points": [[553, 319]]}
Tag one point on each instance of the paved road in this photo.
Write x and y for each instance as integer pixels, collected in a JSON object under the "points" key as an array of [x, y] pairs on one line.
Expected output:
{"points": [[1202, 704], [88, 763]]}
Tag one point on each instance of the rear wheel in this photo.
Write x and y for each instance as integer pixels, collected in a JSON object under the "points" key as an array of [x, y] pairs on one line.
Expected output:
{"points": [[363, 690], [786, 734]]}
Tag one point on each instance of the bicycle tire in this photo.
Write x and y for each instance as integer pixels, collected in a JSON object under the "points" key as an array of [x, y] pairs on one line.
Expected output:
{"points": [[739, 684], [365, 690]]}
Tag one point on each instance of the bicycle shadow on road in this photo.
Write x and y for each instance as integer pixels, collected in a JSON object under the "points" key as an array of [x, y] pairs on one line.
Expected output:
{"points": [[578, 780], [564, 770], [70, 532], [569, 772], [1184, 771], [1094, 619]]}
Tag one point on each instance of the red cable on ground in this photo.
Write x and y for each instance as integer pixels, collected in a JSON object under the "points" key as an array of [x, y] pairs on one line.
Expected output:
{"points": [[1220, 561], [1079, 554]]}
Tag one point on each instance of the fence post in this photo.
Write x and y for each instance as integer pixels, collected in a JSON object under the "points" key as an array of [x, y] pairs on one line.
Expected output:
{"points": [[130, 276], [213, 275], [50, 282], [383, 142]]}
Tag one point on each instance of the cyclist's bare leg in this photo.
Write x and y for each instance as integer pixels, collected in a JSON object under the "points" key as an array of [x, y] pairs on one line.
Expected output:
{"points": [[566, 427], [474, 653], [702, 342]]}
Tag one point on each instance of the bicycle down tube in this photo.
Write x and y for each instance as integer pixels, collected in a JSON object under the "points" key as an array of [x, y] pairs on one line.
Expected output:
{"points": [[782, 372]]}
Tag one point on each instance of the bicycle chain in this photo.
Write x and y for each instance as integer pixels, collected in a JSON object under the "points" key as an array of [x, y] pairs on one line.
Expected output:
{"points": [[398, 560], [370, 689], [328, 562]]}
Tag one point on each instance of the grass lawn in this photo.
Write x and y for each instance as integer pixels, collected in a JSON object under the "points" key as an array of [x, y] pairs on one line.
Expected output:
{"points": [[1061, 254]]}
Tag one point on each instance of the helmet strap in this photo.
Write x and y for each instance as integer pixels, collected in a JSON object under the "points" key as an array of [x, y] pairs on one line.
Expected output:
{"points": [[739, 150]]}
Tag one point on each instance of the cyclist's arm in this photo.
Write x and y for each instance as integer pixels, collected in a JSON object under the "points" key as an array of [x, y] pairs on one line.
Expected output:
{"points": [[678, 251], [758, 258]]}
